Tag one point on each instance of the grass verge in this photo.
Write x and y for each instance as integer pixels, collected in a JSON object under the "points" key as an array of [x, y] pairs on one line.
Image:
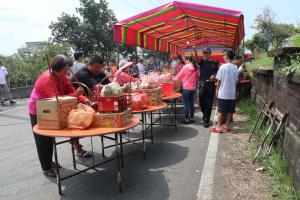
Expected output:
{"points": [[262, 61], [282, 187]]}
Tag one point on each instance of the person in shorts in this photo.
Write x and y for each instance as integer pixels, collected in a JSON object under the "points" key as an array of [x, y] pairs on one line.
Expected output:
{"points": [[227, 78]]}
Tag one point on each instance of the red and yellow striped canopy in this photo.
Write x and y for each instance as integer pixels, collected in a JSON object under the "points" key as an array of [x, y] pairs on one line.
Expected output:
{"points": [[174, 26]]}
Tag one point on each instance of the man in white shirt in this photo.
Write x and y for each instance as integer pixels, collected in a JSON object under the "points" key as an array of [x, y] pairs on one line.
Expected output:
{"points": [[4, 90], [227, 77], [78, 56], [174, 63], [141, 66]]}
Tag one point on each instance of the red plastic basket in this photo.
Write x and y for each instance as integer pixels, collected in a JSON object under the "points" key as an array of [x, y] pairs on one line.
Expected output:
{"points": [[112, 104], [167, 89]]}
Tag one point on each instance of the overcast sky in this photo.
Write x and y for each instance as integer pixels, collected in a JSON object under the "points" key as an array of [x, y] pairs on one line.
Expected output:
{"points": [[28, 20]]}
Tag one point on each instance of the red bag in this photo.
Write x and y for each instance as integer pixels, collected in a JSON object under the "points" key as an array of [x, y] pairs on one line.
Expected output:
{"points": [[139, 101], [167, 89]]}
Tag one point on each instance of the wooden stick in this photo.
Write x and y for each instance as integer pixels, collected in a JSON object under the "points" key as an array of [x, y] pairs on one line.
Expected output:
{"points": [[52, 78]]}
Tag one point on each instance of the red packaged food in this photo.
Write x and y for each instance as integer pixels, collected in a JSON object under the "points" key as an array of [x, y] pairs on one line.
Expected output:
{"points": [[112, 103], [167, 89]]}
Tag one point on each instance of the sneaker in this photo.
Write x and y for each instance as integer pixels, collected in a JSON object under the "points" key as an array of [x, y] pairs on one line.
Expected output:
{"points": [[50, 173], [2, 103], [192, 120], [12, 102]]}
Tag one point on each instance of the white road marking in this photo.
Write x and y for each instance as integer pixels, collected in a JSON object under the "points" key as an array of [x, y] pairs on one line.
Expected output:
{"points": [[20, 108], [208, 172]]}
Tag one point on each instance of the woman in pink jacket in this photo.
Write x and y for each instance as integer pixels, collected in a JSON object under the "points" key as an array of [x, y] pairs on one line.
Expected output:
{"points": [[188, 75]]}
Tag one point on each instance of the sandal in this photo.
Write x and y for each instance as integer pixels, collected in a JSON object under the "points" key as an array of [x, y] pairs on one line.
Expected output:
{"points": [[53, 165], [225, 129], [50, 173], [215, 130], [83, 154]]}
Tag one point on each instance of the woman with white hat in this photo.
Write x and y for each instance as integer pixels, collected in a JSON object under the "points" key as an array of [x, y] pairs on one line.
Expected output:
{"points": [[123, 75]]}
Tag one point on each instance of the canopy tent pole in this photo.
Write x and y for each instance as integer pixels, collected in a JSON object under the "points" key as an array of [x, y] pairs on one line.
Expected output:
{"points": [[238, 33], [244, 49], [136, 54], [118, 55]]}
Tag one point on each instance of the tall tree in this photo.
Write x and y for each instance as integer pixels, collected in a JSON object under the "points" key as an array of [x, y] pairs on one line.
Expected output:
{"points": [[275, 33], [92, 32]]}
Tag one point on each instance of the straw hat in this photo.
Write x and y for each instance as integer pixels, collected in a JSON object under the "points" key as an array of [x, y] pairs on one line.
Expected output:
{"points": [[123, 64]]}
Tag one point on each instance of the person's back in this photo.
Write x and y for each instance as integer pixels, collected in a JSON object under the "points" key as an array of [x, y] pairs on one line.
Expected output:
{"points": [[78, 55], [228, 75], [189, 76], [77, 66]]}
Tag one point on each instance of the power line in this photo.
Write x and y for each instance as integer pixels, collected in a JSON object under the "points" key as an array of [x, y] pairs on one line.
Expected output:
{"points": [[132, 5], [151, 2], [160, 2]]}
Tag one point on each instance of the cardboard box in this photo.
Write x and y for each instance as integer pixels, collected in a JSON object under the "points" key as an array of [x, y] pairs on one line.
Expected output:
{"points": [[154, 96], [112, 120], [52, 114]]}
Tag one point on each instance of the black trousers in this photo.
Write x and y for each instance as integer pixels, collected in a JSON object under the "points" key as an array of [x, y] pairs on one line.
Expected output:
{"points": [[206, 95], [44, 146]]}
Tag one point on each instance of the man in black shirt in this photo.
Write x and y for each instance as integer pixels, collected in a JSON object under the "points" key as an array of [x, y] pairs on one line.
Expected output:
{"points": [[92, 74], [208, 71]]}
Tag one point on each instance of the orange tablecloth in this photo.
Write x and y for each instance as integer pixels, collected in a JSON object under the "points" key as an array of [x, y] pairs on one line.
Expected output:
{"points": [[174, 95], [85, 133], [150, 108]]}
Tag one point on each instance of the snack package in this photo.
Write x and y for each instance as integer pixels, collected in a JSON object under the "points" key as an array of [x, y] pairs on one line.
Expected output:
{"points": [[112, 120]]}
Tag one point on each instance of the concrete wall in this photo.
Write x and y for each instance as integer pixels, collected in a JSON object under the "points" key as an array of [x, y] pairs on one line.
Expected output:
{"points": [[21, 92], [268, 85]]}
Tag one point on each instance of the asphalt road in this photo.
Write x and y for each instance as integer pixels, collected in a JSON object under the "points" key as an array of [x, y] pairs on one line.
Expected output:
{"points": [[172, 168]]}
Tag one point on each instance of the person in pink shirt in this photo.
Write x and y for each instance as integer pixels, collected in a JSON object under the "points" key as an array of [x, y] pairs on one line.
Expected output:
{"points": [[188, 75], [43, 89], [123, 76]]}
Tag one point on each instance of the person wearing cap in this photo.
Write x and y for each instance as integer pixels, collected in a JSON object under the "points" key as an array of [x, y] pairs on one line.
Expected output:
{"points": [[43, 89], [123, 75], [206, 93], [78, 56], [92, 74]]}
